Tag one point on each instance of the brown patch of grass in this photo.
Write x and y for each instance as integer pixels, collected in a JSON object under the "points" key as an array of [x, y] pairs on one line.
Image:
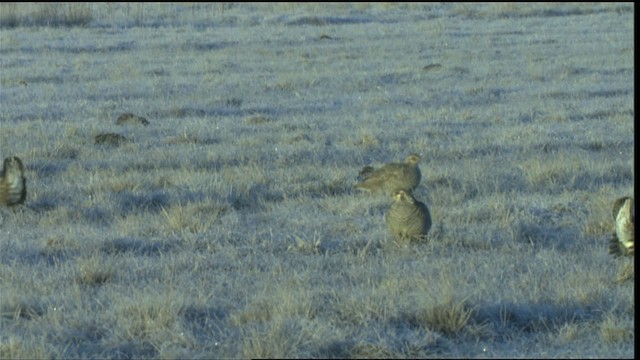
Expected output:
{"points": [[112, 139], [18, 348], [298, 138], [599, 221], [93, 271], [305, 246], [277, 341], [177, 112], [193, 218], [129, 118], [260, 312], [258, 119], [449, 318], [371, 351], [182, 138], [145, 315], [164, 182], [57, 243], [45, 14], [22, 309], [550, 173], [613, 331], [625, 273], [283, 301], [367, 140], [124, 185]]}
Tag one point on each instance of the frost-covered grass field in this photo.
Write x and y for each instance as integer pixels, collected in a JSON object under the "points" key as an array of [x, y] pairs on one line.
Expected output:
{"points": [[229, 228]]}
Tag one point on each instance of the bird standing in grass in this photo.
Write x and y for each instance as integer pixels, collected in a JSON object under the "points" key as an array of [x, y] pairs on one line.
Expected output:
{"points": [[129, 118], [622, 240], [391, 177], [13, 185], [110, 139], [408, 218]]}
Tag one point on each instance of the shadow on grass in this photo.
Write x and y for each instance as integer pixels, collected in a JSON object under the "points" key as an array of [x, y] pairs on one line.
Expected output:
{"points": [[206, 322], [47, 169], [42, 205], [34, 257], [128, 350], [462, 320], [88, 338], [322, 189], [27, 309], [98, 216], [153, 202], [254, 197], [328, 20], [530, 317], [128, 245]]}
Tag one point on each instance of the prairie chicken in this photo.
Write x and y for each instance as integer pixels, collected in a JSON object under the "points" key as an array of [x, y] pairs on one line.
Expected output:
{"points": [[408, 218], [391, 177], [129, 118], [622, 240], [13, 185], [110, 139]]}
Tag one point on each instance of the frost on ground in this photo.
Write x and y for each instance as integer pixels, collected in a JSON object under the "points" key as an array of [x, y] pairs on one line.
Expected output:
{"points": [[229, 226]]}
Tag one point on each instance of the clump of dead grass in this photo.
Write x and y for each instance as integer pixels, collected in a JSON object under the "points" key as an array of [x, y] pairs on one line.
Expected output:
{"points": [[625, 273], [613, 330], [35, 347], [192, 217], [93, 271], [449, 318]]}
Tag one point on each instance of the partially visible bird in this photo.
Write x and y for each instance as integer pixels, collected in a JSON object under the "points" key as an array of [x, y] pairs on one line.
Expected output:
{"points": [[391, 177], [408, 218], [110, 139], [13, 185], [129, 118], [622, 240]]}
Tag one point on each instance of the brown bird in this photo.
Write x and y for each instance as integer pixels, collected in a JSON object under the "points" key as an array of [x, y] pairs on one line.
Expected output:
{"points": [[391, 177], [13, 185], [129, 118], [622, 240], [110, 139], [408, 218]]}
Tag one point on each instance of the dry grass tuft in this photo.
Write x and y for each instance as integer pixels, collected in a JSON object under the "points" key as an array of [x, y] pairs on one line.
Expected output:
{"points": [[148, 315], [311, 246], [183, 138], [599, 221], [367, 140], [45, 14], [111, 139], [566, 333], [449, 318], [371, 351], [550, 173], [57, 243], [28, 309], [14, 347], [193, 217], [625, 273], [258, 119], [613, 331], [93, 271], [283, 338], [129, 118]]}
